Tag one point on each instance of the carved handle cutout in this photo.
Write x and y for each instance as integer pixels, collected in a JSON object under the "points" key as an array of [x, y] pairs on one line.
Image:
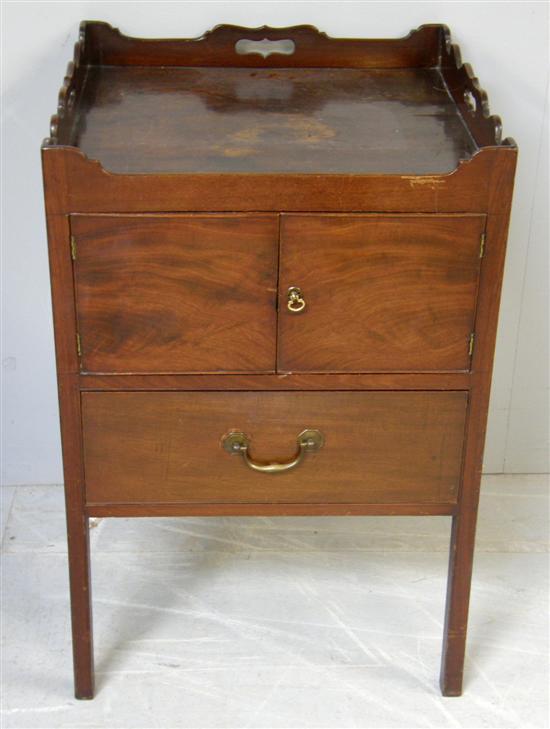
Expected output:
{"points": [[265, 47]]}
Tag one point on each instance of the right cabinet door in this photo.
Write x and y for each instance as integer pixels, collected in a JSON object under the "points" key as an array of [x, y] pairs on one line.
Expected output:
{"points": [[378, 293]]}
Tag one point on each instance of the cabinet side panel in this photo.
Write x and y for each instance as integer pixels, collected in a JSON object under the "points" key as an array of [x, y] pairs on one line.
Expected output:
{"points": [[71, 430], [464, 522]]}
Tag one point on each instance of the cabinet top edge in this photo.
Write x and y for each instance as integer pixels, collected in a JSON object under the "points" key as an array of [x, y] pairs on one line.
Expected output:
{"points": [[80, 159]]}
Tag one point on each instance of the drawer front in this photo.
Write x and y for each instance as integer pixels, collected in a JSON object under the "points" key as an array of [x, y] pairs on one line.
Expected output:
{"points": [[382, 293], [176, 293], [379, 447]]}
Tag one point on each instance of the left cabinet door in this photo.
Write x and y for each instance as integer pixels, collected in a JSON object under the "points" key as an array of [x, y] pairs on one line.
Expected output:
{"points": [[176, 293]]}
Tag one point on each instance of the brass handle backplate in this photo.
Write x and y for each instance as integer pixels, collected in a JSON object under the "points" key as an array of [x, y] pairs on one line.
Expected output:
{"points": [[295, 302], [237, 442]]}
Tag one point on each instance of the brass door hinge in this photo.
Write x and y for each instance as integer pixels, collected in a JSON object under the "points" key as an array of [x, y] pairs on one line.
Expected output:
{"points": [[78, 345], [73, 248], [471, 344], [482, 245]]}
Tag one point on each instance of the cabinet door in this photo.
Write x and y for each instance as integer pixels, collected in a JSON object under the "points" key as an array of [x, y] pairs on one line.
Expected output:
{"points": [[381, 293], [176, 293]]}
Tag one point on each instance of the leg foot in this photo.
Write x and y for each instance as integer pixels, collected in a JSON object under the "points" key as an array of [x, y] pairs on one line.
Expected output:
{"points": [[456, 609], [81, 605]]}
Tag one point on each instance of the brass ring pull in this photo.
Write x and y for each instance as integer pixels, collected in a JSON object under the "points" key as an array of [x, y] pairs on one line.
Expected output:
{"points": [[309, 441], [295, 302]]}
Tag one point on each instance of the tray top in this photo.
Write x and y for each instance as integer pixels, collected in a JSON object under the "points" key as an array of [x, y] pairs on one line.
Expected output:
{"points": [[271, 101], [138, 119]]}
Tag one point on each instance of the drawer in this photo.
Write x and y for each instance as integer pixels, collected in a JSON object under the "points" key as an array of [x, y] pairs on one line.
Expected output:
{"points": [[176, 293], [167, 447], [383, 293]]}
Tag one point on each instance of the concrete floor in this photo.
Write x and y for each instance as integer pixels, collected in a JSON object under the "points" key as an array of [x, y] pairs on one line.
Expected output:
{"points": [[288, 622]]}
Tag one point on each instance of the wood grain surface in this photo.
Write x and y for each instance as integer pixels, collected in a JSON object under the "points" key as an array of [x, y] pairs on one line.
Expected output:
{"points": [[283, 381], [387, 447], [78, 542], [383, 293], [106, 45], [332, 120], [461, 554], [348, 126], [244, 508], [176, 293], [92, 189]]}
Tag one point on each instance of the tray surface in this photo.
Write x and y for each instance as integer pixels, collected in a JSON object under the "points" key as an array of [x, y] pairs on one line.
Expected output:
{"points": [[137, 119]]}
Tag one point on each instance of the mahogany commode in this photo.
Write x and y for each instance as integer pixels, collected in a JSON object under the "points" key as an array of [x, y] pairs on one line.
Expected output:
{"points": [[276, 260]]}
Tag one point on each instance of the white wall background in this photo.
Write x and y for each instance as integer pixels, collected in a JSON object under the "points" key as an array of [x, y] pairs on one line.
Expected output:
{"points": [[507, 43]]}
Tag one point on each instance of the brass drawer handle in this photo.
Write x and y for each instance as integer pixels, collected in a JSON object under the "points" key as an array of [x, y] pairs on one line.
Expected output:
{"points": [[295, 302], [309, 441]]}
